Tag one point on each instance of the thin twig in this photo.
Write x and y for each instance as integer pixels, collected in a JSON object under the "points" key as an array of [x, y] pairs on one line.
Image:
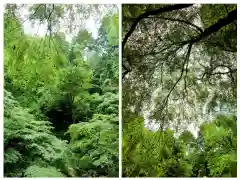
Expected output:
{"points": [[180, 77]]}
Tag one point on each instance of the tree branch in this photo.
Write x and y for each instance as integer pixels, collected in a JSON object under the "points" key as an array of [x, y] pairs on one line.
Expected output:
{"points": [[180, 77], [181, 21], [125, 73], [230, 18], [145, 15], [154, 12], [49, 21]]}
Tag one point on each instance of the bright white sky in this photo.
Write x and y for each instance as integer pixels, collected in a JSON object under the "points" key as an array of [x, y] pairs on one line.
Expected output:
{"points": [[192, 127], [92, 25]]}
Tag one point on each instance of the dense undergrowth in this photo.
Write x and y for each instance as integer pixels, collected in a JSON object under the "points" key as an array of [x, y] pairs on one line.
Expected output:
{"points": [[53, 125], [212, 153]]}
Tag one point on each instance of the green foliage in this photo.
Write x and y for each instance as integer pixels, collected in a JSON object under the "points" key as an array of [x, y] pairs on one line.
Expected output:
{"points": [[105, 64], [53, 127], [161, 154], [26, 139], [220, 139], [36, 171], [95, 143], [179, 73], [111, 24]]}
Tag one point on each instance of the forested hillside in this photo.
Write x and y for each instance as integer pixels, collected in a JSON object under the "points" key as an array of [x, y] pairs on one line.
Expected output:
{"points": [[61, 95], [179, 90]]}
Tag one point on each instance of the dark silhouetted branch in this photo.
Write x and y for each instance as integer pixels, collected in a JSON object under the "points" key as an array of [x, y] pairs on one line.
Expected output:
{"points": [[149, 13]]}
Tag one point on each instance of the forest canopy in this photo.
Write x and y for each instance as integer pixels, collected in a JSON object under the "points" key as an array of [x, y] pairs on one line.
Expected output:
{"points": [[61, 90], [179, 90]]}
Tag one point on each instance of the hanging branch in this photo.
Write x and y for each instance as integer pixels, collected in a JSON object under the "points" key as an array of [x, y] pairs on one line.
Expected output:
{"points": [[165, 101], [49, 20], [230, 18], [149, 13]]}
